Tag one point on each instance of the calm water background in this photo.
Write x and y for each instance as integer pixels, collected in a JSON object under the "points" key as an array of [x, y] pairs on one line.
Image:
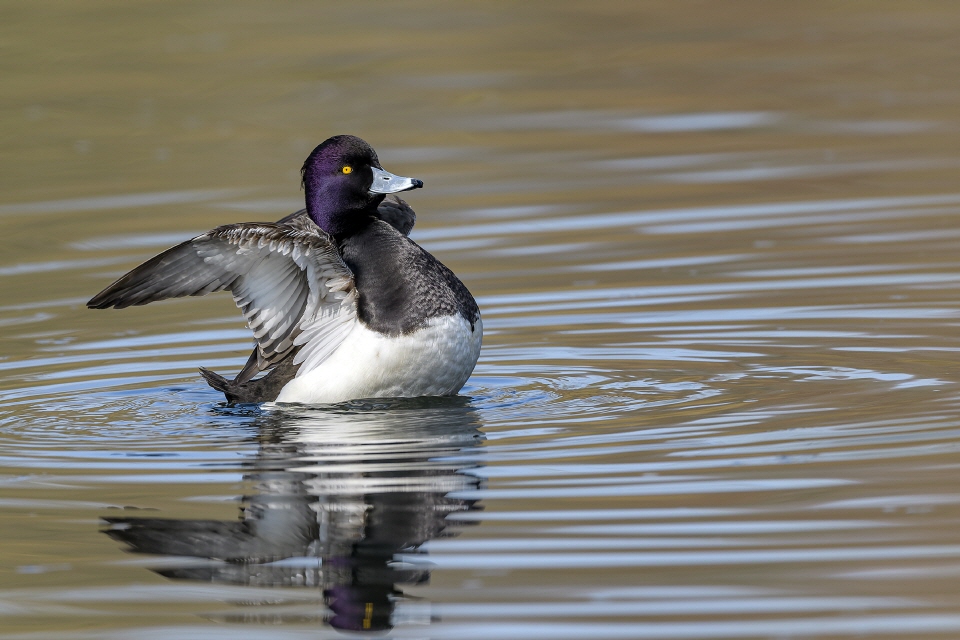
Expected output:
{"points": [[715, 249]]}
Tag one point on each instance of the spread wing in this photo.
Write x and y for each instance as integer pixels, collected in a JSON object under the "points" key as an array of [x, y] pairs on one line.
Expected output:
{"points": [[290, 284]]}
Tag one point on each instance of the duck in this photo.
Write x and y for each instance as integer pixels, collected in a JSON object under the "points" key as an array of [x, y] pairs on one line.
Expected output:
{"points": [[342, 304]]}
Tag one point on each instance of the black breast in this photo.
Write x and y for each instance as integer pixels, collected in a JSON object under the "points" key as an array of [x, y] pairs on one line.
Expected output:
{"points": [[400, 285]]}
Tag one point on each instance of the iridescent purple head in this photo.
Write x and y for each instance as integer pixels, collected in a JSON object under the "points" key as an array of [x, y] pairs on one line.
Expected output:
{"points": [[344, 183]]}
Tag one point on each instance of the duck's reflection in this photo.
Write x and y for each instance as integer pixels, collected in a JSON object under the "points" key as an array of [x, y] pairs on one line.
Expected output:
{"points": [[337, 494]]}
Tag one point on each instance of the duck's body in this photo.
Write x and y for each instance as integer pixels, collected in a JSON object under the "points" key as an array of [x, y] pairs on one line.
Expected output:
{"points": [[435, 360], [342, 303]]}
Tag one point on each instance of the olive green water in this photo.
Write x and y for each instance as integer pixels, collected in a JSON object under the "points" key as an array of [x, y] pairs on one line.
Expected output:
{"points": [[715, 249]]}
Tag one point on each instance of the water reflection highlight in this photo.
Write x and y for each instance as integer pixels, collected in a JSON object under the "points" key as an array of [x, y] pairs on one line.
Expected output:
{"points": [[336, 496]]}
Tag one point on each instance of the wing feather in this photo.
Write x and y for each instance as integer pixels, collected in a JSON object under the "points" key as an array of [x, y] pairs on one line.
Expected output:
{"points": [[288, 281]]}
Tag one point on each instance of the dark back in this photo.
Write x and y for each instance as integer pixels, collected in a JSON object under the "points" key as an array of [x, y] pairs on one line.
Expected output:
{"points": [[402, 286]]}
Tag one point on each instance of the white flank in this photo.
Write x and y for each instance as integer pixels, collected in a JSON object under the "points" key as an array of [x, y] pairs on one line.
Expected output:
{"points": [[433, 361]]}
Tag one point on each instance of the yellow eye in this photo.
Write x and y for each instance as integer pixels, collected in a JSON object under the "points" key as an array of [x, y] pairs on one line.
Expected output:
{"points": [[347, 169]]}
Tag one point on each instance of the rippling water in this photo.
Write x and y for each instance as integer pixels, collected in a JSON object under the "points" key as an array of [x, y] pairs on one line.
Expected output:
{"points": [[716, 256]]}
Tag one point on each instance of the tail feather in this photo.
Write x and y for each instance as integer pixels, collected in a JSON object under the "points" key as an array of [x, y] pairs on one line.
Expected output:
{"points": [[215, 380], [263, 389]]}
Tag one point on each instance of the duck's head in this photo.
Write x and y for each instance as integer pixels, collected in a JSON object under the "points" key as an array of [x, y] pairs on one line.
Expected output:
{"points": [[344, 183]]}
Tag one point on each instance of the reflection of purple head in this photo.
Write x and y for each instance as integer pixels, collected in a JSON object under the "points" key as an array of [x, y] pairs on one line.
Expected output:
{"points": [[360, 608], [344, 183]]}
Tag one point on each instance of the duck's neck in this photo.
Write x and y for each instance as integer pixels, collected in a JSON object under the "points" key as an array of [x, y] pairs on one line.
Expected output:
{"points": [[339, 219], [343, 223]]}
